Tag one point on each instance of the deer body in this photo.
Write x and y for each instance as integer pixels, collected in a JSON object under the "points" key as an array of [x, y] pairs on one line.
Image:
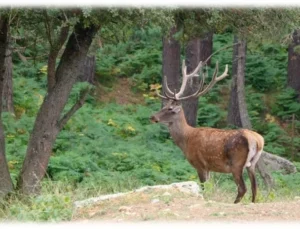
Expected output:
{"points": [[209, 149]]}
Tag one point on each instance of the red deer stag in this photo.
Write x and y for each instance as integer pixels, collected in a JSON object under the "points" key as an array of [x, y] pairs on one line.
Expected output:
{"points": [[209, 149]]}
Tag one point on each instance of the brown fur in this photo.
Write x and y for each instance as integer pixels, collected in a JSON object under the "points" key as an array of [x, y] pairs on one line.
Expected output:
{"points": [[209, 149]]}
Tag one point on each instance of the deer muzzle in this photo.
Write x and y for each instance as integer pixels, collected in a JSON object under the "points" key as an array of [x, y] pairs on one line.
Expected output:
{"points": [[154, 119]]}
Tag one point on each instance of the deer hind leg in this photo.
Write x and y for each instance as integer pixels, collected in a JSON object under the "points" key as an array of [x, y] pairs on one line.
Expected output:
{"points": [[238, 178], [251, 173]]}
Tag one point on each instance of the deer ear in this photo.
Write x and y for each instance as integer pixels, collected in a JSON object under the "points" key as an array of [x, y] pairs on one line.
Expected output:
{"points": [[176, 109]]}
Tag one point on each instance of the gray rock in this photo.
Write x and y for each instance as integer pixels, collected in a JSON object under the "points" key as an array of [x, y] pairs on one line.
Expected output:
{"points": [[187, 187]]}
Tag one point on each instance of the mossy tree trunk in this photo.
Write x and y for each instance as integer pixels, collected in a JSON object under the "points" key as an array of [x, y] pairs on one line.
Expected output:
{"points": [[6, 184], [50, 120]]}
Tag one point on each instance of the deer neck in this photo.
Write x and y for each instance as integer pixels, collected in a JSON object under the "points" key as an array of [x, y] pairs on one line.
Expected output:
{"points": [[179, 131]]}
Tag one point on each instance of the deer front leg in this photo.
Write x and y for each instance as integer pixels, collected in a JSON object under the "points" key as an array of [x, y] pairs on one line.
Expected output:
{"points": [[203, 176]]}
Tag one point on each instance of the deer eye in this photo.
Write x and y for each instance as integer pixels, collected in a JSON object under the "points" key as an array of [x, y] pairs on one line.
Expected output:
{"points": [[170, 108]]}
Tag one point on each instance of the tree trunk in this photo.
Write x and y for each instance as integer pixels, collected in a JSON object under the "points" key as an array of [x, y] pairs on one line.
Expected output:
{"points": [[206, 47], [8, 104], [88, 72], [55, 47], [233, 116], [171, 61], [294, 63], [6, 184], [190, 106], [197, 50], [237, 110], [49, 122]]}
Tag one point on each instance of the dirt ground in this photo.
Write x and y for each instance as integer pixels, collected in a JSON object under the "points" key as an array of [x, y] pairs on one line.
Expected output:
{"points": [[174, 205], [177, 206], [121, 93]]}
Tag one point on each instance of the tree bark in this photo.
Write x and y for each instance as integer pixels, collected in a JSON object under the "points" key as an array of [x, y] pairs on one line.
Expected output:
{"points": [[171, 61], [233, 117], [294, 63], [88, 72], [197, 50], [47, 124], [55, 47], [6, 184], [8, 105], [206, 47], [190, 106], [237, 111]]}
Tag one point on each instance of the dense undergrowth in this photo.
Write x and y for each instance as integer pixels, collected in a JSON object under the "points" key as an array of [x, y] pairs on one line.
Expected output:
{"points": [[108, 148]]}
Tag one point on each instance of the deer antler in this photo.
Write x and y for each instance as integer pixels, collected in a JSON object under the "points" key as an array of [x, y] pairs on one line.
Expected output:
{"points": [[185, 77]]}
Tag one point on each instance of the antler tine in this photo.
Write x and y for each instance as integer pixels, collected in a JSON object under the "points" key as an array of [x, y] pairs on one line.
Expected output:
{"points": [[185, 78], [196, 69], [159, 95], [168, 90], [183, 69], [214, 79], [197, 92]]}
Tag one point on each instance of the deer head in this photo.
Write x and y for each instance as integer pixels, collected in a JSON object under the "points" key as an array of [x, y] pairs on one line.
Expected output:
{"points": [[169, 114], [172, 111]]}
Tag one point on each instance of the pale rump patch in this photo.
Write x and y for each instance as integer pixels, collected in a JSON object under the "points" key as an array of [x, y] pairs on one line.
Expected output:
{"points": [[255, 143], [252, 151]]}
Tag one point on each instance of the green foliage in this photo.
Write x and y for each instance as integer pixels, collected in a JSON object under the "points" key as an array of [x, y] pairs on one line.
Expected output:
{"points": [[98, 133], [210, 115], [276, 139], [286, 104], [266, 67], [139, 58]]}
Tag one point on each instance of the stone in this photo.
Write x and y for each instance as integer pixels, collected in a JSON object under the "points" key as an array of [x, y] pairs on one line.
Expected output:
{"points": [[187, 187]]}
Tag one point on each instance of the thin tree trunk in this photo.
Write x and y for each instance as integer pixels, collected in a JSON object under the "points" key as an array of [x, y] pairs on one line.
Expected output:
{"points": [[171, 61], [294, 63], [8, 104], [237, 110], [6, 184], [49, 122], [55, 47], [197, 50]]}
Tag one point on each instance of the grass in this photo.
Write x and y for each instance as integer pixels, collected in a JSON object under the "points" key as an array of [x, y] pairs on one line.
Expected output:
{"points": [[55, 204]]}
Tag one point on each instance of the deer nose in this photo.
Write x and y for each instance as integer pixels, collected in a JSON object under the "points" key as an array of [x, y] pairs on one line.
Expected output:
{"points": [[154, 119]]}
